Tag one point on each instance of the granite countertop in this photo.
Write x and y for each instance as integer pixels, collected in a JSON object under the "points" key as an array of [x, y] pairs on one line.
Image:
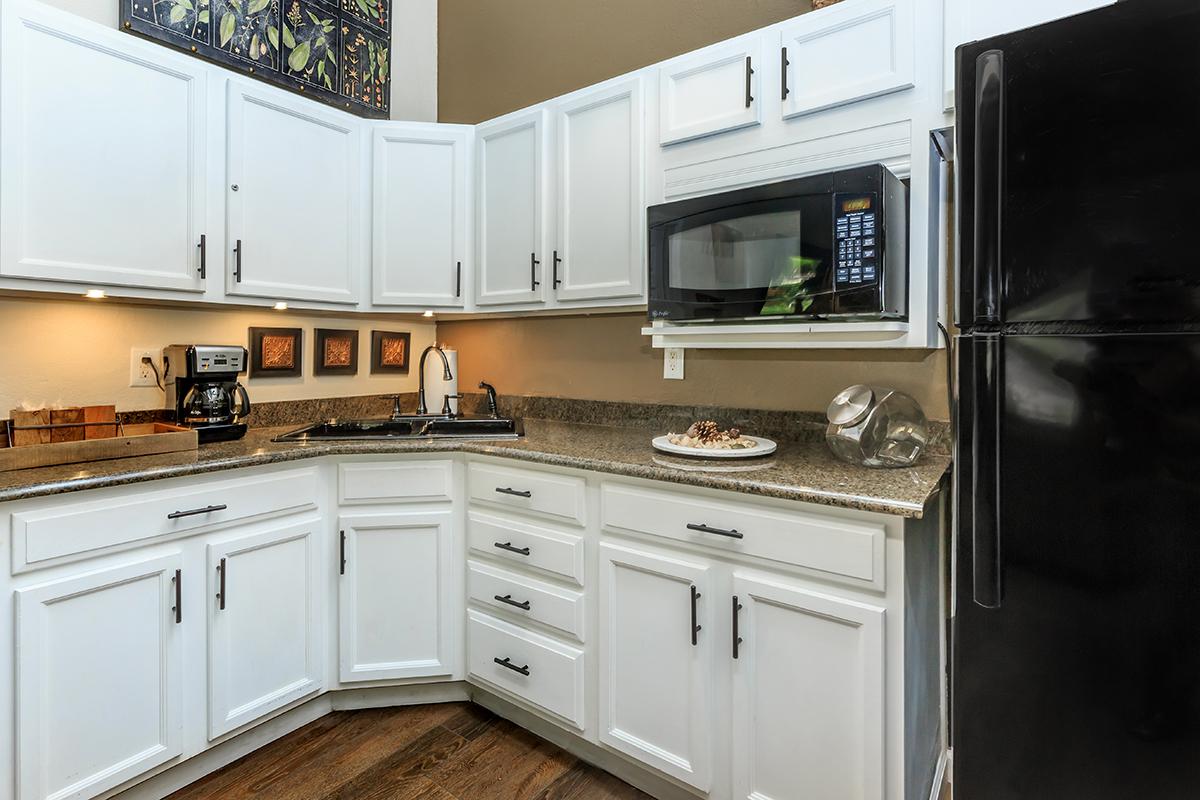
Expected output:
{"points": [[803, 471]]}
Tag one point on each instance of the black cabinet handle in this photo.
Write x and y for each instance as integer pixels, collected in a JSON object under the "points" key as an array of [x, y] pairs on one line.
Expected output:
{"points": [[507, 600], [237, 255], [342, 552], [737, 640], [695, 627], [513, 492], [702, 528], [221, 589], [557, 261], [749, 84], [783, 65], [521, 551], [458, 280], [178, 609], [196, 511], [203, 256], [507, 664], [533, 265]]}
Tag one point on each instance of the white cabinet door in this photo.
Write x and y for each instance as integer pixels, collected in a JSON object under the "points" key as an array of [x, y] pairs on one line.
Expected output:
{"points": [[711, 91], [99, 679], [819, 74], [422, 201], [294, 197], [102, 138], [263, 643], [397, 597], [601, 204], [511, 164], [808, 695], [656, 679]]}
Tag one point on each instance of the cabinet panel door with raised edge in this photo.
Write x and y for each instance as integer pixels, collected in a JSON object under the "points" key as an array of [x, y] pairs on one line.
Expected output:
{"points": [[264, 649], [99, 679], [511, 223], [808, 695], [294, 198], [102, 138], [601, 198], [398, 596], [656, 678], [421, 187], [711, 91]]}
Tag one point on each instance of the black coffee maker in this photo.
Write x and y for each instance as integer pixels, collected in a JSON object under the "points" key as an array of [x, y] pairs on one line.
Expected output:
{"points": [[201, 382]]}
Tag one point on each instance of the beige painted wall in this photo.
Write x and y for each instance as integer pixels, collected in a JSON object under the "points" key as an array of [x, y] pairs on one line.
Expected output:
{"points": [[498, 56], [607, 358], [414, 44], [76, 352]]}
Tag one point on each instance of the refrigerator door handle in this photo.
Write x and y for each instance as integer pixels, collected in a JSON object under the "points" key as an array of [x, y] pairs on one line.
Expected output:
{"points": [[985, 467], [989, 182]]}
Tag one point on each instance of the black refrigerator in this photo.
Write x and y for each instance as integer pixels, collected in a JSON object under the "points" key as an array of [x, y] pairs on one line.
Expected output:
{"points": [[1076, 618]]}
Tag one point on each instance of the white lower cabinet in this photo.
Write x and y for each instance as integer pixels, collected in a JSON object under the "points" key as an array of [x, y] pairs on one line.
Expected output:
{"points": [[808, 694], [656, 660], [264, 643], [395, 608], [99, 678]]}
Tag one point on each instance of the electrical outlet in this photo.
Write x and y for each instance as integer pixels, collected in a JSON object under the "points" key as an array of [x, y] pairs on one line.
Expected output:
{"points": [[141, 373], [673, 363]]}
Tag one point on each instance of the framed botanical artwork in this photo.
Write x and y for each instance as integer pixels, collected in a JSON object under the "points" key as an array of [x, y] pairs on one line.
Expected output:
{"points": [[276, 352], [390, 351], [335, 352]]}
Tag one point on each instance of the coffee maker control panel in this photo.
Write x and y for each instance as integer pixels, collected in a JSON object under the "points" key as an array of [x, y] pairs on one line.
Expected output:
{"points": [[206, 360]]}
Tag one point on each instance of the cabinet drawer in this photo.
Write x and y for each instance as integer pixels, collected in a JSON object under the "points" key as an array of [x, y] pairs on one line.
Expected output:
{"points": [[551, 551], [528, 598], [558, 497], [58, 531], [843, 548], [392, 481], [541, 671]]}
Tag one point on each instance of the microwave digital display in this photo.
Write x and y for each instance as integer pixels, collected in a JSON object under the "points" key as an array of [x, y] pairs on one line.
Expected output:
{"points": [[857, 204]]}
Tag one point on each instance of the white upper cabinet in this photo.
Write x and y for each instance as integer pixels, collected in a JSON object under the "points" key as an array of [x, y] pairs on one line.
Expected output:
{"points": [[102, 141], [294, 198], [512, 224], [850, 52], [396, 615], [422, 205], [263, 645], [808, 694], [601, 197], [711, 90], [99, 679]]}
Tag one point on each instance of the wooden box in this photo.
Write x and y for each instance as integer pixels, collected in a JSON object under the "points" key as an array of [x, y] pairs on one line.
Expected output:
{"points": [[138, 440]]}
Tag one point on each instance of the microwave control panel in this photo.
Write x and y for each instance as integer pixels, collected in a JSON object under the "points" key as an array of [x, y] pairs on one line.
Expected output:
{"points": [[855, 237]]}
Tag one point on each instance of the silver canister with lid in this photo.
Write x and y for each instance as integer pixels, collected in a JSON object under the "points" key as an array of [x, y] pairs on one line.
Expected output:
{"points": [[876, 427]]}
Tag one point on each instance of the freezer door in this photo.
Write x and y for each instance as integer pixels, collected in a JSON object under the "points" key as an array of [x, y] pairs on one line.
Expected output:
{"points": [[1076, 634], [1077, 166]]}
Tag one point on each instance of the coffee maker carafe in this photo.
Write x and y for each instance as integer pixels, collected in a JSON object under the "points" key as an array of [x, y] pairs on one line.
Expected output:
{"points": [[202, 383]]}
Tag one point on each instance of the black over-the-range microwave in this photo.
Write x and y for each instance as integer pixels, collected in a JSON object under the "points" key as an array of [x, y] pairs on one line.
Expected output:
{"points": [[831, 246]]}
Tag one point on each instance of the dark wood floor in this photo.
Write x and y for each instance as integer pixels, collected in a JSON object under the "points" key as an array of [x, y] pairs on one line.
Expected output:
{"points": [[451, 751]]}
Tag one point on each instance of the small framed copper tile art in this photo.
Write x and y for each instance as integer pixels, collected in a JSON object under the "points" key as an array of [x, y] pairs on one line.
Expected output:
{"points": [[390, 351], [335, 352], [276, 352]]}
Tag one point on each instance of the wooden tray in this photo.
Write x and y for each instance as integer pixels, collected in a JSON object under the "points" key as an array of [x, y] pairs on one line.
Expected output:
{"points": [[139, 440]]}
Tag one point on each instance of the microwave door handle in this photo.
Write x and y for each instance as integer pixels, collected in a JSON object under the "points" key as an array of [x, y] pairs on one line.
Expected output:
{"points": [[987, 401], [989, 183]]}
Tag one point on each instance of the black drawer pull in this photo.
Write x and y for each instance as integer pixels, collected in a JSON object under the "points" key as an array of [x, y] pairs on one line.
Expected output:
{"points": [[521, 551], [695, 626], [513, 492], [196, 511], [507, 600], [732, 533], [507, 664], [342, 552], [178, 609], [737, 640], [221, 588]]}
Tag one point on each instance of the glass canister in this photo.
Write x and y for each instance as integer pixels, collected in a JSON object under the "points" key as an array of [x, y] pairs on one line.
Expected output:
{"points": [[876, 427]]}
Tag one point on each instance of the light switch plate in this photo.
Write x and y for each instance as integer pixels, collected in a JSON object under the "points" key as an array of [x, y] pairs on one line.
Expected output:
{"points": [[673, 363]]}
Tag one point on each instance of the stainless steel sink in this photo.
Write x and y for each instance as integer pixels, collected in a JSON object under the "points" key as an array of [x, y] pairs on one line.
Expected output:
{"points": [[409, 427]]}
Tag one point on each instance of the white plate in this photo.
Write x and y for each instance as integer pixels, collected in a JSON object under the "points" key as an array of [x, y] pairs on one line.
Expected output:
{"points": [[765, 447]]}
